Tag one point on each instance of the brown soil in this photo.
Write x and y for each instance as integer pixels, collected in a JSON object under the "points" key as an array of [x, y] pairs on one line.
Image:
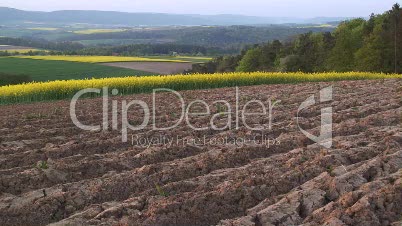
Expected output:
{"points": [[164, 68], [92, 178]]}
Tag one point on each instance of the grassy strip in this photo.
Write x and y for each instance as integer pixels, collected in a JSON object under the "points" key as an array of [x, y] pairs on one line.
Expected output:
{"points": [[57, 90]]}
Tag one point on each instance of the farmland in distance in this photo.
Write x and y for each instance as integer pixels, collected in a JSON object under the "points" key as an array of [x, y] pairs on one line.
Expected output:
{"points": [[13, 49]]}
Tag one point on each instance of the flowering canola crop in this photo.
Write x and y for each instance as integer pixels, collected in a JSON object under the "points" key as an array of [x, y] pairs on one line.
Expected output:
{"points": [[100, 59], [55, 90]]}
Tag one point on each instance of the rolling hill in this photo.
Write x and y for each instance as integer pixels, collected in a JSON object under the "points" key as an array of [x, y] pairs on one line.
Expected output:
{"points": [[10, 15]]}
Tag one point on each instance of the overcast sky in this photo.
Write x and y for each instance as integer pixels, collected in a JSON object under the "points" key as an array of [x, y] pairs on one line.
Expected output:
{"points": [[284, 8]]}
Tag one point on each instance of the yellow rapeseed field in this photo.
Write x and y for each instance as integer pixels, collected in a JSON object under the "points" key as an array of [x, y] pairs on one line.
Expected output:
{"points": [[96, 31], [43, 28], [99, 59], [55, 90]]}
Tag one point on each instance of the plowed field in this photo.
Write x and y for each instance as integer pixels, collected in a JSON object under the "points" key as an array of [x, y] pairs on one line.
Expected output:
{"points": [[51, 172]]}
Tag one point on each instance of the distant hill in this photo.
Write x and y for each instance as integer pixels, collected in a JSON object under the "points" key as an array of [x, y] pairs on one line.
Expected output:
{"points": [[10, 15]]}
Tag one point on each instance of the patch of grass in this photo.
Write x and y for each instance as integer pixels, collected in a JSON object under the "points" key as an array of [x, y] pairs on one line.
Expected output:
{"points": [[173, 114], [42, 165], [220, 109], [57, 111], [330, 170], [246, 98], [161, 192], [32, 116], [276, 102], [303, 159]]}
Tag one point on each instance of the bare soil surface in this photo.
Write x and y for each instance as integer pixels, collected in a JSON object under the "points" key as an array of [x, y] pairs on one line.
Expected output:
{"points": [[92, 178], [164, 68]]}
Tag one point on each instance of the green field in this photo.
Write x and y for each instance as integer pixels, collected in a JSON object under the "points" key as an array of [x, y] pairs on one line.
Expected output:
{"points": [[44, 70]]}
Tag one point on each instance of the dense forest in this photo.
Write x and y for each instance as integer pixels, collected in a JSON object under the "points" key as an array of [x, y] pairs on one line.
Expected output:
{"points": [[207, 36], [41, 44], [70, 48], [356, 45], [156, 49], [205, 40]]}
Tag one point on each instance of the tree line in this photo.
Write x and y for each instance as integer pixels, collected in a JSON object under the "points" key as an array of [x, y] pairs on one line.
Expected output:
{"points": [[154, 49], [219, 36], [356, 45], [72, 48], [41, 44]]}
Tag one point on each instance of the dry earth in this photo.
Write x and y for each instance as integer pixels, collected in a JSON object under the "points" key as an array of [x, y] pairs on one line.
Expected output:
{"points": [[164, 68], [92, 178]]}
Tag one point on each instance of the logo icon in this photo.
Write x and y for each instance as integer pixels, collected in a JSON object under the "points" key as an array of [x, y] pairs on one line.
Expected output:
{"points": [[325, 138]]}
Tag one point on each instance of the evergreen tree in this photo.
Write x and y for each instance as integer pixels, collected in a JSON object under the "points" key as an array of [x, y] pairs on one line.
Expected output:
{"points": [[396, 15]]}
